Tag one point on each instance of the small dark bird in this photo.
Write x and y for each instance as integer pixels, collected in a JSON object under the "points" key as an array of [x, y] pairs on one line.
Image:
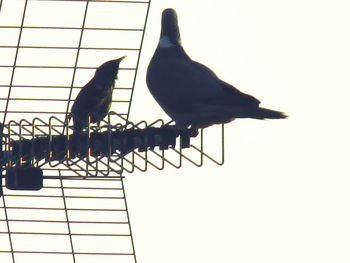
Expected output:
{"points": [[95, 98], [189, 92]]}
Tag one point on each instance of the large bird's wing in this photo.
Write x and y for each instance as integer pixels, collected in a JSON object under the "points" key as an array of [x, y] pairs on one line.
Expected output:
{"points": [[232, 96], [189, 84]]}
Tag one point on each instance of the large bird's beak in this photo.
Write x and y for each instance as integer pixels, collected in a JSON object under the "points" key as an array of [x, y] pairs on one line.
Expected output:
{"points": [[170, 28]]}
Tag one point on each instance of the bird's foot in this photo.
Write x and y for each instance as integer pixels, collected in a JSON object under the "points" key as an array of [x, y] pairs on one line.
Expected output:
{"points": [[193, 132]]}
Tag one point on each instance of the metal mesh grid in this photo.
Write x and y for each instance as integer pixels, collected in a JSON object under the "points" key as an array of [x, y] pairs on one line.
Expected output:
{"points": [[48, 60], [68, 220], [51, 50], [44, 52], [111, 149]]}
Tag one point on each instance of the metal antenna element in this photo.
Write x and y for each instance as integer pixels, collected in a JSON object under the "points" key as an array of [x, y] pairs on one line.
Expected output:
{"points": [[62, 195]]}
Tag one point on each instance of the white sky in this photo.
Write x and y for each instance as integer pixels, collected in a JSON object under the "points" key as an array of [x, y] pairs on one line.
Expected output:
{"points": [[283, 192]]}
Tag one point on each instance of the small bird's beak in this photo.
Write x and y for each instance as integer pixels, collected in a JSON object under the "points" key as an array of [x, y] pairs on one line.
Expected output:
{"points": [[120, 59]]}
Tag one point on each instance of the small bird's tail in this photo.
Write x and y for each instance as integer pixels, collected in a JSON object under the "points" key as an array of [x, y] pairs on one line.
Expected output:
{"points": [[263, 113]]}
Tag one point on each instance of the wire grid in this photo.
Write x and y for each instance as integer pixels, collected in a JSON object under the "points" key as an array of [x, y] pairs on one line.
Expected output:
{"points": [[95, 41], [57, 45], [109, 150], [51, 50], [70, 220]]}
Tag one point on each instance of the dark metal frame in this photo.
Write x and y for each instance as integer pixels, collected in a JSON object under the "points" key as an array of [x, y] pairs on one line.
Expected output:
{"points": [[54, 173]]}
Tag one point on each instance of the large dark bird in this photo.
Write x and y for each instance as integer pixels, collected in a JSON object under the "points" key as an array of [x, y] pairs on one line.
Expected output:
{"points": [[95, 98], [189, 92]]}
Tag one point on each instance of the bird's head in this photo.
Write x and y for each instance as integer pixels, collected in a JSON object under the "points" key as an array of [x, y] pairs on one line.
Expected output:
{"points": [[170, 34], [109, 68]]}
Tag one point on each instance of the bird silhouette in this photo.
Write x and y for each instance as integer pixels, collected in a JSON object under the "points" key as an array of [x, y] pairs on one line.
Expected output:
{"points": [[95, 98], [189, 92]]}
